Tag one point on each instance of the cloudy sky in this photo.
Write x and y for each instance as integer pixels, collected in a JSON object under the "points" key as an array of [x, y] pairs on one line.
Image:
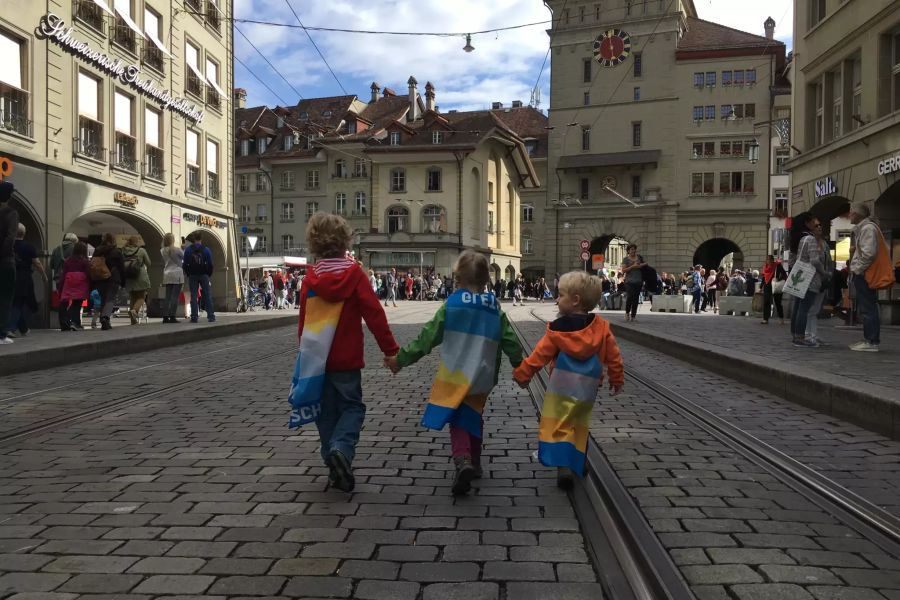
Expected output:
{"points": [[504, 65]]}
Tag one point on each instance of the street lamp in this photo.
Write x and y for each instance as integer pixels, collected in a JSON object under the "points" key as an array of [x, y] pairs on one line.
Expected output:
{"points": [[468, 47], [753, 152]]}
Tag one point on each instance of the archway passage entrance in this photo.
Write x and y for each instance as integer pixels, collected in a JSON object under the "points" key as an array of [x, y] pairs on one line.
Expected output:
{"points": [[607, 251], [510, 273], [34, 235], [828, 209], [887, 211], [719, 253], [219, 281]]}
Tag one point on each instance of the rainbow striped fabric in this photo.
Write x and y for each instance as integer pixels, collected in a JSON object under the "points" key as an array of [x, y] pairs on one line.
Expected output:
{"points": [[565, 418], [319, 325], [469, 349]]}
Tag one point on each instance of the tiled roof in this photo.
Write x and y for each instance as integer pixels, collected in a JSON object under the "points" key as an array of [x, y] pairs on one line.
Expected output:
{"points": [[706, 35]]}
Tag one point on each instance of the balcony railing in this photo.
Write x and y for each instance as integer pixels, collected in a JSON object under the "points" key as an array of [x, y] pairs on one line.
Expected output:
{"points": [[287, 218], [193, 180], [341, 212], [213, 100], [212, 185], [262, 219], [153, 162], [153, 57], [212, 15], [194, 5], [360, 174], [123, 36], [125, 155], [89, 12], [89, 142], [194, 84], [14, 110]]}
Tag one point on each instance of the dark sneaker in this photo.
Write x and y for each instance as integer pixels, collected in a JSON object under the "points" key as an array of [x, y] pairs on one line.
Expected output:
{"points": [[465, 473], [479, 472], [343, 475], [565, 478]]}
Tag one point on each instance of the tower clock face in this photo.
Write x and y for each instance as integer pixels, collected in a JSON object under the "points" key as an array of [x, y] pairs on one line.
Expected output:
{"points": [[608, 181], [612, 47]]}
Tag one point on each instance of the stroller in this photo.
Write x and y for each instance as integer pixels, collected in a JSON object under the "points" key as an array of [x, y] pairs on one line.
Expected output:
{"points": [[432, 293]]}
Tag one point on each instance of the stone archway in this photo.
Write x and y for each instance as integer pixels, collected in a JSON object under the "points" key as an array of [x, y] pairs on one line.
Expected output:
{"points": [[34, 235], [509, 273], [887, 211], [828, 209], [496, 273], [716, 252], [611, 247], [220, 280]]}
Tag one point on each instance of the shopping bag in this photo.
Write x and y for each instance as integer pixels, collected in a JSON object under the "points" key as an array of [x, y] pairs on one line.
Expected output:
{"points": [[799, 279]]}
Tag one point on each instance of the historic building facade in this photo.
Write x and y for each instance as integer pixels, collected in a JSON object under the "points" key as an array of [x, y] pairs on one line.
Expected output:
{"points": [[117, 120], [654, 116], [417, 185]]}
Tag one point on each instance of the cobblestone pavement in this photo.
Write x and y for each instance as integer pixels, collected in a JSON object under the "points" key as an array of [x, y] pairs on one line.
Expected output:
{"points": [[734, 530], [207, 494]]}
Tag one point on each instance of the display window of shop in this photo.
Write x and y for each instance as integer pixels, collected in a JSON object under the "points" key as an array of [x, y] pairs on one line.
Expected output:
{"points": [[192, 158], [212, 169], [90, 128], [14, 98], [124, 156], [153, 141]]}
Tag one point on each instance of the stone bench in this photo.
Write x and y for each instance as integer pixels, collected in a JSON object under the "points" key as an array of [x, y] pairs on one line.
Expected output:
{"points": [[736, 305], [672, 304]]}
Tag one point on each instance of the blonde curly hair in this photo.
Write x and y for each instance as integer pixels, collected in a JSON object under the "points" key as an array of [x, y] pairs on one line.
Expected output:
{"points": [[328, 235]]}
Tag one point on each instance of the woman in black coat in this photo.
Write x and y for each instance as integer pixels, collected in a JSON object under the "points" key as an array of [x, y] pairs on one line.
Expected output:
{"points": [[109, 287]]}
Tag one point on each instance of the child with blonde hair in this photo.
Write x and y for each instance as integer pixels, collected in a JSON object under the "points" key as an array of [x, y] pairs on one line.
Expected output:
{"points": [[472, 332], [576, 345], [327, 382]]}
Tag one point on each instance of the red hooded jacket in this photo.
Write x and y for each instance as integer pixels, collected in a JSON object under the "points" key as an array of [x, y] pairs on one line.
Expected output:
{"points": [[344, 280]]}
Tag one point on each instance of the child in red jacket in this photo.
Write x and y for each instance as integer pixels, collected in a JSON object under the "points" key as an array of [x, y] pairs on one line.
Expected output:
{"points": [[327, 384]]}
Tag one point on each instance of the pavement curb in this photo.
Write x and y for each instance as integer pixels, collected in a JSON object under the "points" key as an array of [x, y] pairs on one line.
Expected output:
{"points": [[34, 360], [860, 403]]}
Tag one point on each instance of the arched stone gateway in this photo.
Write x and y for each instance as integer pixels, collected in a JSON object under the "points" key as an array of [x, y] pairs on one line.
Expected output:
{"points": [[887, 211], [719, 252], [611, 247], [510, 273], [34, 235]]}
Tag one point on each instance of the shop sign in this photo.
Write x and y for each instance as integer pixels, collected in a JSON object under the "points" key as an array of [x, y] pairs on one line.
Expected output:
{"points": [[204, 220], [889, 165], [6, 167], [176, 219], [825, 187], [54, 28], [125, 199]]}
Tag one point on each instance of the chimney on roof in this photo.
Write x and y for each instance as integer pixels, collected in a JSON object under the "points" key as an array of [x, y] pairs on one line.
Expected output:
{"points": [[517, 104], [429, 97], [375, 90], [240, 98], [770, 28], [496, 106], [413, 112]]}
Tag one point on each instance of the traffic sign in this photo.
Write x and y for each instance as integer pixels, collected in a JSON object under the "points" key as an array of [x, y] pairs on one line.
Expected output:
{"points": [[584, 244], [245, 229], [585, 255]]}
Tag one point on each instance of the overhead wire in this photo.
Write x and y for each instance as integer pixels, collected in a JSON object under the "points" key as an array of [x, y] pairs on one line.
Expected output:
{"points": [[549, 46], [316, 46], [252, 45], [255, 76]]}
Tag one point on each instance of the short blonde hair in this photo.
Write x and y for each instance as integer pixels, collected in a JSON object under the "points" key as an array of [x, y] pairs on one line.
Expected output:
{"points": [[471, 268], [588, 287], [328, 235]]}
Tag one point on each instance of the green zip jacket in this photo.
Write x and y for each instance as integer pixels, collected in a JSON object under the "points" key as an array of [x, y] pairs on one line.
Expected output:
{"points": [[433, 334]]}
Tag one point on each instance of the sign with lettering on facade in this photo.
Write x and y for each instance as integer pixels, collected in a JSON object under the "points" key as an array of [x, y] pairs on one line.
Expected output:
{"points": [[889, 165], [53, 27], [825, 187], [204, 220], [125, 199]]}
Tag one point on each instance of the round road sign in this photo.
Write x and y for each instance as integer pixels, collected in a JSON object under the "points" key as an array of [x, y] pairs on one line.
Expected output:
{"points": [[585, 256], [585, 244]]}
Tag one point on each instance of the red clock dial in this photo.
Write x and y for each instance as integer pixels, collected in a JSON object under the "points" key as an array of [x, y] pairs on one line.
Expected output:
{"points": [[612, 47]]}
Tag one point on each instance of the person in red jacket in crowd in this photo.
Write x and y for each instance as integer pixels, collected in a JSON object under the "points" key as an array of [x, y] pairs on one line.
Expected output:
{"points": [[339, 280]]}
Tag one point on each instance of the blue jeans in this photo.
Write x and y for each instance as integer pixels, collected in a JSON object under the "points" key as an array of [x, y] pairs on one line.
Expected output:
{"points": [[800, 313], [18, 318], [342, 413], [172, 292], [203, 282], [698, 298], [867, 305]]}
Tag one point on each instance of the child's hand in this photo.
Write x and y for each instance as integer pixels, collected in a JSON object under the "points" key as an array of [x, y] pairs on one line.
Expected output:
{"points": [[614, 389], [391, 363]]}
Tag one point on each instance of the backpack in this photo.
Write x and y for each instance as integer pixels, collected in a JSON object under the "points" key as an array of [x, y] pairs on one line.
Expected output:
{"points": [[197, 264], [133, 266], [98, 269]]}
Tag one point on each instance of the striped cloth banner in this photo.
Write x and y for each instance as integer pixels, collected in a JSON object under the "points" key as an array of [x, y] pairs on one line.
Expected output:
{"points": [[566, 413], [320, 322], [468, 362]]}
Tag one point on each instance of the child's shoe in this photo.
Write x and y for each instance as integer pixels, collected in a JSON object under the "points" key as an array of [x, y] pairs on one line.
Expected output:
{"points": [[565, 478], [340, 467], [465, 473]]}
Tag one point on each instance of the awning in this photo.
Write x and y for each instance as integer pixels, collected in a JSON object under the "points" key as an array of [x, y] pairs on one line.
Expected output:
{"points": [[104, 6], [128, 21], [610, 159], [295, 261], [158, 43], [215, 86]]}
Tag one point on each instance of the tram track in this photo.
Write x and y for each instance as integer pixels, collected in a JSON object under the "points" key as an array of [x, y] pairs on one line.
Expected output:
{"points": [[872, 522]]}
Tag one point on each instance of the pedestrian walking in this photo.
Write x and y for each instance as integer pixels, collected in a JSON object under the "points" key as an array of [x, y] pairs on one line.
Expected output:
{"points": [[870, 269], [107, 274], [634, 280], [391, 288], [473, 334], [9, 224], [812, 319], [173, 276], [773, 278], [327, 383], [805, 249], [278, 286], [137, 278], [576, 345], [74, 287], [198, 265], [24, 299]]}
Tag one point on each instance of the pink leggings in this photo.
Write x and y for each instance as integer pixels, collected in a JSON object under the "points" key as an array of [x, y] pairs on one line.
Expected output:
{"points": [[462, 443]]}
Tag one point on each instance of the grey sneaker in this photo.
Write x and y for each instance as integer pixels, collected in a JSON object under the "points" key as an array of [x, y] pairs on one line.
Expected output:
{"points": [[864, 346]]}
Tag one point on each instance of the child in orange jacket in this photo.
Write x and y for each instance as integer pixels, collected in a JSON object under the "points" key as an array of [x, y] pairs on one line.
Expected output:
{"points": [[576, 346]]}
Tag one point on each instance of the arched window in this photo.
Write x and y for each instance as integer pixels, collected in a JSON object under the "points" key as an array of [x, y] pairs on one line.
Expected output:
{"points": [[434, 219], [398, 219], [398, 180]]}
